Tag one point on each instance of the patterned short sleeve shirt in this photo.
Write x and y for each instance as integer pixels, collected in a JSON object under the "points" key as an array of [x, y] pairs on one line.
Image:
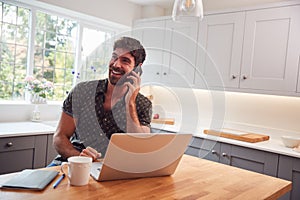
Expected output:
{"points": [[94, 125]]}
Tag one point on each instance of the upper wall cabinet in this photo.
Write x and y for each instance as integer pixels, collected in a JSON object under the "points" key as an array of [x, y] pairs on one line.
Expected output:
{"points": [[254, 50], [152, 35], [220, 50], [171, 51], [181, 51], [271, 49]]}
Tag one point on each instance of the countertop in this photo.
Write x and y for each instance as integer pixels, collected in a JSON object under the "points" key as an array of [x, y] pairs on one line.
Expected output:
{"points": [[274, 144], [12, 129]]}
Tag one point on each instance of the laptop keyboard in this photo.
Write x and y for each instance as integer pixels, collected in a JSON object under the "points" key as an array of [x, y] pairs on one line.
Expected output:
{"points": [[96, 168]]}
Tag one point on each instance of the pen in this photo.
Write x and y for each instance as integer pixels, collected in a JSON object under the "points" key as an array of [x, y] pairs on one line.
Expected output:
{"points": [[58, 181]]}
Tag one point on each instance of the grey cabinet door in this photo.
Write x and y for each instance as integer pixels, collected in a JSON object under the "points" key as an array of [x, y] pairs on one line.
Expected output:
{"points": [[251, 159], [18, 153], [51, 152], [203, 148], [289, 169], [237, 156]]}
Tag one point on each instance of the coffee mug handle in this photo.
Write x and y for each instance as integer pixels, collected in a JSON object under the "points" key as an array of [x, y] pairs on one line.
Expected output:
{"points": [[62, 168]]}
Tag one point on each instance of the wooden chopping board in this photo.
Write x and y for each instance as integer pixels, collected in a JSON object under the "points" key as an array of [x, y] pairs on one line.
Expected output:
{"points": [[238, 135], [169, 121]]}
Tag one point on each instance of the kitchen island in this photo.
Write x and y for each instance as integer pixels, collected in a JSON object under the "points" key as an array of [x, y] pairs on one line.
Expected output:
{"points": [[194, 178]]}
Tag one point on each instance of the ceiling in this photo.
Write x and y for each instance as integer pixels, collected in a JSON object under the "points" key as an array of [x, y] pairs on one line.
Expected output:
{"points": [[161, 3]]}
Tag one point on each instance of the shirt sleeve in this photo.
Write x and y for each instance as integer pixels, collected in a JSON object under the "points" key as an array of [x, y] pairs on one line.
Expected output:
{"points": [[71, 105], [67, 104]]}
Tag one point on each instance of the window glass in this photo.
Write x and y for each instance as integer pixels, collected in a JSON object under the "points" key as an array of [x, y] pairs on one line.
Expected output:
{"points": [[55, 40], [13, 50], [96, 50]]}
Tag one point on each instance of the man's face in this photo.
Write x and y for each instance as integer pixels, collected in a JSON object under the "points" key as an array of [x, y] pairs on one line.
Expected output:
{"points": [[120, 63]]}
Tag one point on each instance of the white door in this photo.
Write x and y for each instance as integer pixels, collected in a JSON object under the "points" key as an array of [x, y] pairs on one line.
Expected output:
{"points": [[271, 49], [180, 53], [220, 50], [152, 35]]}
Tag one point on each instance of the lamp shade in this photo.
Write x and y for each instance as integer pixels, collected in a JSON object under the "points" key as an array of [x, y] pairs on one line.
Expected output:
{"points": [[184, 10]]}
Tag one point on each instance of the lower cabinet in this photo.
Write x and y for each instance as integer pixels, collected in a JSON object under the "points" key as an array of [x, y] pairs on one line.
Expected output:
{"points": [[237, 156], [51, 152], [263, 162], [25, 152], [289, 169]]}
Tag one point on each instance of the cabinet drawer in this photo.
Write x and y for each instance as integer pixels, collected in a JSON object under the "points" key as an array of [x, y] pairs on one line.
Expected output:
{"points": [[16, 143]]}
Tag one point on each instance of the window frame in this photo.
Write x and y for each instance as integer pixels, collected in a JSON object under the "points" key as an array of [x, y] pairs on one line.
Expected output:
{"points": [[83, 21]]}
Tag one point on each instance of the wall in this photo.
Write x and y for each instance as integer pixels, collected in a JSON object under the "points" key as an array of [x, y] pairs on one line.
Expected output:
{"points": [[119, 11], [221, 108], [22, 111]]}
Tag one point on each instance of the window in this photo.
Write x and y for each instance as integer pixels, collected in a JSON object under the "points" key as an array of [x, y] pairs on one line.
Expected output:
{"points": [[47, 45], [95, 54], [14, 25], [54, 51]]}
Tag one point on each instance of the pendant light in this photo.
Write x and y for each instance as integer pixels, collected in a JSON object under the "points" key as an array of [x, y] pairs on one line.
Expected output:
{"points": [[185, 10]]}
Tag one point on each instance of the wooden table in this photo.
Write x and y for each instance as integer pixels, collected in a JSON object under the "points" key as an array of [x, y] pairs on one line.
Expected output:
{"points": [[194, 178]]}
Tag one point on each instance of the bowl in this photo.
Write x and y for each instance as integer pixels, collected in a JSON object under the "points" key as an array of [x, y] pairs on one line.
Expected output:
{"points": [[290, 141]]}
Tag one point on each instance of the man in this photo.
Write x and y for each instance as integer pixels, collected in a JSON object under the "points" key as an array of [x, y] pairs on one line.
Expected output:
{"points": [[94, 110]]}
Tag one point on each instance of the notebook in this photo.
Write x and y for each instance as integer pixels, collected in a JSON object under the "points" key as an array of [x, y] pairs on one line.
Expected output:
{"points": [[139, 155], [32, 179]]}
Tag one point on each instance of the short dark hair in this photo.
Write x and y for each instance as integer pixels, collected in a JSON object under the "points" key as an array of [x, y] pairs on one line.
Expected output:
{"points": [[134, 46]]}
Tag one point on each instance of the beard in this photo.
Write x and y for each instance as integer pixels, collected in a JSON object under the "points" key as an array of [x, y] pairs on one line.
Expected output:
{"points": [[114, 79]]}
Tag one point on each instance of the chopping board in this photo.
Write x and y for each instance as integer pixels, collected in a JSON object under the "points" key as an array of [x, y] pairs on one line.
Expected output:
{"points": [[238, 135], [169, 121]]}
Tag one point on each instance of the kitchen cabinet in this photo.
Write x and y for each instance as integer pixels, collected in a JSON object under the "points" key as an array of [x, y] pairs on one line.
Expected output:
{"points": [[254, 50], [171, 51], [152, 35], [271, 49], [26, 152], [237, 156], [220, 50], [51, 152], [289, 169], [181, 52]]}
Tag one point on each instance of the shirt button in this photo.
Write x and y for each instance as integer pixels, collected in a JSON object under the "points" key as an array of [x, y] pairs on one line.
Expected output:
{"points": [[105, 119]]}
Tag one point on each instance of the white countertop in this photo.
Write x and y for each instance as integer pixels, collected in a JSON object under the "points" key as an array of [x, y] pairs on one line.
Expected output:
{"points": [[274, 144], [12, 129]]}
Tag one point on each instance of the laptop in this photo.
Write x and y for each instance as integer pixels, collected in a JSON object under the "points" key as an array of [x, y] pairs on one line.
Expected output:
{"points": [[140, 155]]}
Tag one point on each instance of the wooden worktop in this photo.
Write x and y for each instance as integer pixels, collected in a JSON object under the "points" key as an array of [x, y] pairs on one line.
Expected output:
{"points": [[194, 179]]}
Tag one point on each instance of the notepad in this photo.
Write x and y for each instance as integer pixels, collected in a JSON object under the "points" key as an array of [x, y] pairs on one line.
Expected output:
{"points": [[31, 179]]}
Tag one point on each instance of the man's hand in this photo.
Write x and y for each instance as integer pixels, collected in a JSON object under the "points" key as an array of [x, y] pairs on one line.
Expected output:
{"points": [[90, 152], [134, 87]]}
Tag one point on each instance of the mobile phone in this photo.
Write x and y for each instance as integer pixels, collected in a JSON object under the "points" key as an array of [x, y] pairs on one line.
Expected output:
{"points": [[124, 78]]}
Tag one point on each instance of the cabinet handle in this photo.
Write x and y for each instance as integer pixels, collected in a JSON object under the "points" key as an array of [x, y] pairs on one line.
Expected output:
{"points": [[157, 73], [233, 76], [224, 154], [213, 151], [245, 77], [165, 73], [9, 144]]}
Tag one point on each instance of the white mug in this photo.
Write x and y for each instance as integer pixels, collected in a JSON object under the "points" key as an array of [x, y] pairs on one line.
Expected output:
{"points": [[79, 170]]}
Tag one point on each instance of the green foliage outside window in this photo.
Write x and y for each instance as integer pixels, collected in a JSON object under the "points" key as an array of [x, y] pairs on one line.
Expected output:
{"points": [[55, 41]]}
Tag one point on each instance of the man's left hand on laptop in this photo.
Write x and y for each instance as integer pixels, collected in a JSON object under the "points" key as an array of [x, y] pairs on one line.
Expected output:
{"points": [[90, 152]]}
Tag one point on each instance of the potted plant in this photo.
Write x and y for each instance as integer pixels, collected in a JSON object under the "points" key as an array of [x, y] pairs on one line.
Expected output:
{"points": [[39, 89]]}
